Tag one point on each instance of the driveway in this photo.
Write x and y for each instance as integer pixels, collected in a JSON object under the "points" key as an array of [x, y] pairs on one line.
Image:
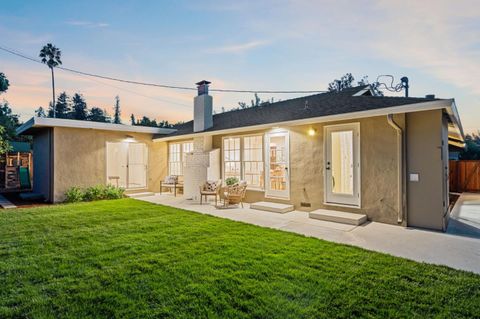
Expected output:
{"points": [[460, 252]]}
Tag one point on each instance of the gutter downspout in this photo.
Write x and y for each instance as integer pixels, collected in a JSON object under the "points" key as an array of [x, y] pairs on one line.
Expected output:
{"points": [[400, 165]]}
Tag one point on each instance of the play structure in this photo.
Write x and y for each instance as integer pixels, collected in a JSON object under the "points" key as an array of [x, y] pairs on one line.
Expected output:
{"points": [[16, 168]]}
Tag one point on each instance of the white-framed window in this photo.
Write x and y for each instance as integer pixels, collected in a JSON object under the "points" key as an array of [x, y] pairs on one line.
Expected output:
{"points": [[176, 156], [243, 159], [231, 157]]}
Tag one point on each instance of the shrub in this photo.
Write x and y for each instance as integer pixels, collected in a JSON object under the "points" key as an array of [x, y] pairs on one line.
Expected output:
{"points": [[98, 192], [112, 192], [74, 195], [231, 181], [94, 193]]}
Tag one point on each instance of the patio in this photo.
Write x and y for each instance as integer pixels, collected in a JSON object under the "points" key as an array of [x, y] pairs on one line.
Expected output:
{"points": [[455, 251]]}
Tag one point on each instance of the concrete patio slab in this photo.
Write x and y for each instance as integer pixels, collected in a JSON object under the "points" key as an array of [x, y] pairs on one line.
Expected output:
{"points": [[5, 203], [420, 245]]}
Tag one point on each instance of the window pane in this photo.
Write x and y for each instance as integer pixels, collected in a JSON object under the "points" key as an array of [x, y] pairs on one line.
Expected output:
{"points": [[253, 161], [342, 162]]}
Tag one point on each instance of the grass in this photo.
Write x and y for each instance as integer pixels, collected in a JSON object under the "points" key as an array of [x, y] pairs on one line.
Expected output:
{"points": [[130, 259]]}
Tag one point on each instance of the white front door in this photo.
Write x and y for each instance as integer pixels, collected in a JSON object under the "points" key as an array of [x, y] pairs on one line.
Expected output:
{"points": [[117, 155], [127, 165], [342, 164], [137, 165], [277, 164]]}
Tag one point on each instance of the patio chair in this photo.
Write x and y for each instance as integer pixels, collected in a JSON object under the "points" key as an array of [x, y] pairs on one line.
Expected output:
{"points": [[234, 194], [210, 188], [171, 182]]}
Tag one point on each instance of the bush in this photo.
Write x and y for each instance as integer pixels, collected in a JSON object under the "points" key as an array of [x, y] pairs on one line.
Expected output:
{"points": [[99, 192], [94, 193], [74, 195], [112, 192], [231, 181]]}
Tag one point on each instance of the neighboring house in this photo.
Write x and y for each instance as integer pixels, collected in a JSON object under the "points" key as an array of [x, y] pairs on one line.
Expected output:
{"points": [[386, 157]]}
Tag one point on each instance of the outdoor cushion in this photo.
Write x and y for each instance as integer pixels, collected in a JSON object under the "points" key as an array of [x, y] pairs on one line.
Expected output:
{"points": [[171, 179], [210, 186]]}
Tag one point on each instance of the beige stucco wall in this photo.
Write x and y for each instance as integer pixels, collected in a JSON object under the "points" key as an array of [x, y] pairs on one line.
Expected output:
{"points": [[424, 157], [80, 158], [378, 168]]}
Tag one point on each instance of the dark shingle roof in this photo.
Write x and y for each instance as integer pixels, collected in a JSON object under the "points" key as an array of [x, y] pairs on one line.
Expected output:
{"points": [[318, 105]]}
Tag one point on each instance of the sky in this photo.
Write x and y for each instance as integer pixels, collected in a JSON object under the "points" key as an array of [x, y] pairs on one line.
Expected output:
{"points": [[252, 45]]}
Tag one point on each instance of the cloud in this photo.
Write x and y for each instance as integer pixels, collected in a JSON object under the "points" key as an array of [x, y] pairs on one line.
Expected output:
{"points": [[239, 48], [87, 24]]}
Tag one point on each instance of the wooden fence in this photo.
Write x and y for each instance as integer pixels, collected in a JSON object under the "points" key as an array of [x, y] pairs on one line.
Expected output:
{"points": [[464, 176]]}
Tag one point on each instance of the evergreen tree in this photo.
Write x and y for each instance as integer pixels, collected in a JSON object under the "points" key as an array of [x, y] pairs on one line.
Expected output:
{"points": [[79, 108], [62, 107], [116, 111], [132, 120], [40, 112], [96, 114]]}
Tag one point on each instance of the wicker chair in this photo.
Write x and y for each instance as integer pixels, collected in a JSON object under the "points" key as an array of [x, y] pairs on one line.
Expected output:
{"points": [[234, 194], [210, 188]]}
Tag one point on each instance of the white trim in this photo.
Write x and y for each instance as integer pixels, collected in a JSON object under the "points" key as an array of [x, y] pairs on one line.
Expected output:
{"points": [[55, 122], [415, 107], [358, 167]]}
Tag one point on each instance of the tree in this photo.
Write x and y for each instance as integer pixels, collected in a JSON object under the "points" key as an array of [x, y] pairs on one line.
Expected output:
{"points": [[51, 57], [472, 147], [255, 102], [116, 111], [79, 108], [4, 84], [40, 112], [8, 121], [4, 144], [345, 82], [62, 107], [96, 114], [132, 119]]}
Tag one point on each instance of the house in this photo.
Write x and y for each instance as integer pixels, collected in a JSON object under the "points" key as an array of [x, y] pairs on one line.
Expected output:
{"points": [[348, 151]]}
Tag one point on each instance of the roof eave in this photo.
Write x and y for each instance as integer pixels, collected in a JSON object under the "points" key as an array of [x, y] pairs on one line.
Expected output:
{"points": [[39, 122], [406, 108]]}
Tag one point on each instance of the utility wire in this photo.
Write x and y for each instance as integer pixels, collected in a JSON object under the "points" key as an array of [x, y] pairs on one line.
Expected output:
{"points": [[19, 54]]}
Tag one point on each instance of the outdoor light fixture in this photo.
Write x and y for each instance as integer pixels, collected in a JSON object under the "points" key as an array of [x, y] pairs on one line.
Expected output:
{"points": [[129, 139], [312, 131]]}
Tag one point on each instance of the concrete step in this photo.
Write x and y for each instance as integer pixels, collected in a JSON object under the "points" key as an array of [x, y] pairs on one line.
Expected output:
{"points": [[338, 217], [138, 195], [5, 203], [272, 207]]}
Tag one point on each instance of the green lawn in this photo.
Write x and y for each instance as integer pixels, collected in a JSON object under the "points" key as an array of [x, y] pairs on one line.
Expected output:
{"points": [[130, 259]]}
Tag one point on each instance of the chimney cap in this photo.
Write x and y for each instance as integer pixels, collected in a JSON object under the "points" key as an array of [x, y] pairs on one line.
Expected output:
{"points": [[203, 82]]}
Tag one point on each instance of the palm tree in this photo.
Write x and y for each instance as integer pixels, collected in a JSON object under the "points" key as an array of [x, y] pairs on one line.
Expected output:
{"points": [[51, 57]]}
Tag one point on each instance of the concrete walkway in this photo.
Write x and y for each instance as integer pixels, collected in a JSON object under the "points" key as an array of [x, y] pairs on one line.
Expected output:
{"points": [[419, 245], [5, 203]]}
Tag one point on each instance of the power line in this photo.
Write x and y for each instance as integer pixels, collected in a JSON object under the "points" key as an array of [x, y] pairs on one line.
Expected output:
{"points": [[165, 86]]}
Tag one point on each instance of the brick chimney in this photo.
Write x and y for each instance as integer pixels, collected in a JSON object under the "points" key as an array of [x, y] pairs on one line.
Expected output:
{"points": [[202, 108]]}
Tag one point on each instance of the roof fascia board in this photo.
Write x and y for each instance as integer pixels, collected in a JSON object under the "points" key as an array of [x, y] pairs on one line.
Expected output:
{"points": [[49, 122], [415, 107]]}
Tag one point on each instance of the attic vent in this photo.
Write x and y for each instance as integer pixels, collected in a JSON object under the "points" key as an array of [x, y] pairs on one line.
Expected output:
{"points": [[430, 96]]}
